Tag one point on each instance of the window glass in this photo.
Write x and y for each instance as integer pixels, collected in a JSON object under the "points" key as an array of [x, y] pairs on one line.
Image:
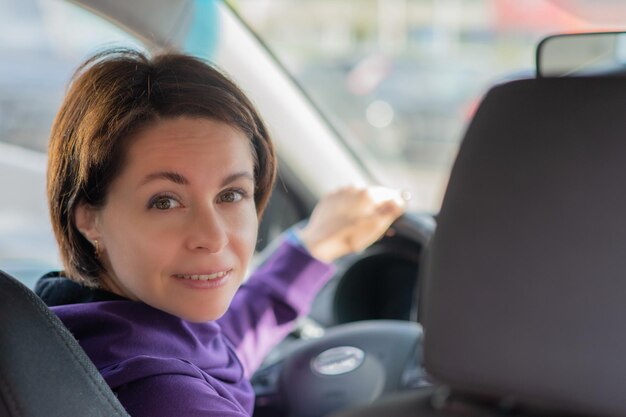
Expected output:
{"points": [[402, 78], [41, 44]]}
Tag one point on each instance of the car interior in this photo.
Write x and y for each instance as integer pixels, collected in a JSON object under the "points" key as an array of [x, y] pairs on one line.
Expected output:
{"points": [[43, 369], [521, 304]]}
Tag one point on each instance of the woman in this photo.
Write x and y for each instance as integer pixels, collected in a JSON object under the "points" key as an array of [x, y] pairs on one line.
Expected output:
{"points": [[159, 170]]}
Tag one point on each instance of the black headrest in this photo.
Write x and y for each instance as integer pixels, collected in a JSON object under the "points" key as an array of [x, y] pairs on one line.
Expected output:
{"points": [[525, 294], [43, 370]]}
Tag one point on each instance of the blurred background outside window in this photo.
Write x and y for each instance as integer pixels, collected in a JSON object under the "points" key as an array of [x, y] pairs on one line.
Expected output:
{"points": [[399, 79], [41, 44]]}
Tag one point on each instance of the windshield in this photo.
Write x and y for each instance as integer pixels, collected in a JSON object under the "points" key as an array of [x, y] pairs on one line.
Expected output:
{"points": [[400, 79]]}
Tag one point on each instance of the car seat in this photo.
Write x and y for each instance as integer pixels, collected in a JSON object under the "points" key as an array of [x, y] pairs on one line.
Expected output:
{"points": [[525, 287], [43, 370]]}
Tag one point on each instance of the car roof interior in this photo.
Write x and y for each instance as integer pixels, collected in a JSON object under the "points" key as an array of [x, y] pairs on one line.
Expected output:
{"points": [[524, 287]]}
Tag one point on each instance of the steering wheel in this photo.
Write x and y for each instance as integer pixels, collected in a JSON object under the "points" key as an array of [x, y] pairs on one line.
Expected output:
{"points": [[351, 364]]}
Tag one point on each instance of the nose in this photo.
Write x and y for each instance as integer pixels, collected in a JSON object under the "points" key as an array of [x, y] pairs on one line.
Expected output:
{"points": [[207, 231]]}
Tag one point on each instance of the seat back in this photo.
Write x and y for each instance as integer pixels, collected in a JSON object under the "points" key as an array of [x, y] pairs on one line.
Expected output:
{"points": [[43, 370], [525, 296], [524, 293]]}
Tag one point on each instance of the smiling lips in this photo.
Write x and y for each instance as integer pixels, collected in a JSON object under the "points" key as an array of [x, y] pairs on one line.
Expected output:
{"points": [[203, 277]]}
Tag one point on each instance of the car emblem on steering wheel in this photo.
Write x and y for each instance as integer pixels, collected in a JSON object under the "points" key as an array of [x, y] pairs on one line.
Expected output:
{"points": [[338, 360]]}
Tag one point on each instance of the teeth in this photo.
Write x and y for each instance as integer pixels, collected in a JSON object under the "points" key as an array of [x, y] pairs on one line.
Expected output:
{"points": [[203, 277]]}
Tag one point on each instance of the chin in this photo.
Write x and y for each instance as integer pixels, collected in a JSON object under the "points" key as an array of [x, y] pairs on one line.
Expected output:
{"points": [[200, 315], [201, 318]]}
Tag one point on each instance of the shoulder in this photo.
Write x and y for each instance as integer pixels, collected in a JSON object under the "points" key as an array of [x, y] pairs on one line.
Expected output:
{"points": [[133, 339], [180, 394], [160, 387]]}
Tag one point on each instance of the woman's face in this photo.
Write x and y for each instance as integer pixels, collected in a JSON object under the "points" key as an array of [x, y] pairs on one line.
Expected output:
{"points": [[179, 224]]}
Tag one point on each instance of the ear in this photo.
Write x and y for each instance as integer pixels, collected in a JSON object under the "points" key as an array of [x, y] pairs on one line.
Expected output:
{"points": [[85, 217]]}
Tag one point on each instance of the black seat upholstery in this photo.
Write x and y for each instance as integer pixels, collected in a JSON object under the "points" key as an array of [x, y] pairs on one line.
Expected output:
{"points": [[525, 289], [43, 370]]}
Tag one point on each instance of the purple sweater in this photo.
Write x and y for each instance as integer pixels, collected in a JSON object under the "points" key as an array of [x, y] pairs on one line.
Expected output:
{"points": [[162, 366]]}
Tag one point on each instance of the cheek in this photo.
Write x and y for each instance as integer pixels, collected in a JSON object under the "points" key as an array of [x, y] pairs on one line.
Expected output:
{"points": [[135, 246], [244, 232]]}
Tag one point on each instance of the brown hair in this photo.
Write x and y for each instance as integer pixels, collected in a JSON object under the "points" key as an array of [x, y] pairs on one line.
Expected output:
{"points": [[114, 95]]}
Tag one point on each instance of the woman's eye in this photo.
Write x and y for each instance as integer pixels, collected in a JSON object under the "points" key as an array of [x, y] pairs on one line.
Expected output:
{"points": [[165, 203], [231, 196]]}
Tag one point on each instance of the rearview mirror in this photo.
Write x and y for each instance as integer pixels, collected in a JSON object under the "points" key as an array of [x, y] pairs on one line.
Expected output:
{"points": [[582, 54]]}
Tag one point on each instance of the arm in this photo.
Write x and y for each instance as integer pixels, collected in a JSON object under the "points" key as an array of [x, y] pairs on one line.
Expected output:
{"points": [[265, 307], [263, 311]]}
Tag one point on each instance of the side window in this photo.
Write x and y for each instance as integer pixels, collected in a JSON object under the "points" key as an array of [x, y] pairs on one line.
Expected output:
{"points": [[41, 44]]}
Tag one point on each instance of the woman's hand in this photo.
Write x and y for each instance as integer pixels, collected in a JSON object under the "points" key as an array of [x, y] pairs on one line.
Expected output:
{"points": [[350, 219]]}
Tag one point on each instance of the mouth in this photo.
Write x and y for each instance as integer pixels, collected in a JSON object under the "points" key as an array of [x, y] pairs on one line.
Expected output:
{"points": [[203, 277]]}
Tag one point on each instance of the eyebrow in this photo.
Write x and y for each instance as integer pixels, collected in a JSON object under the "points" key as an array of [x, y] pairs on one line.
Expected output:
{"points": [[177, 178], [234, 177], [174, 177]]}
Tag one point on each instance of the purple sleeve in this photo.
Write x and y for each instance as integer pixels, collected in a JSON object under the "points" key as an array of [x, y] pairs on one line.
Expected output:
{"points": [[267, 304]]}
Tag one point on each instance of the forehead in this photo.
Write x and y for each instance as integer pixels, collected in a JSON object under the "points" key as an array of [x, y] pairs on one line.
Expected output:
{"points": [[189, 144]]}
